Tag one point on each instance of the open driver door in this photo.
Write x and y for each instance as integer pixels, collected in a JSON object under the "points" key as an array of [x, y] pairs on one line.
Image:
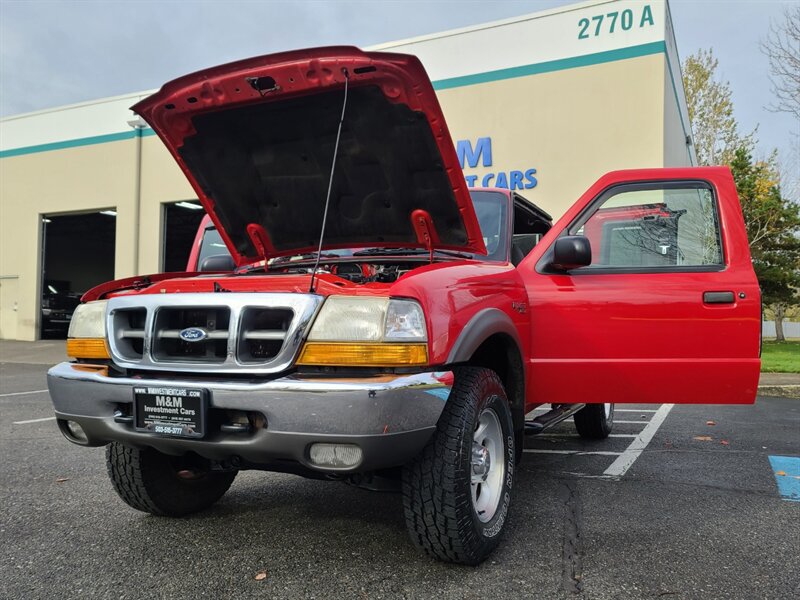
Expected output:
{"points": [[644, 292]]}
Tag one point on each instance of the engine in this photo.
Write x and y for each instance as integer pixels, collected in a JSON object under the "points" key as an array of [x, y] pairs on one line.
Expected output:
{"points": [[360, 272]]}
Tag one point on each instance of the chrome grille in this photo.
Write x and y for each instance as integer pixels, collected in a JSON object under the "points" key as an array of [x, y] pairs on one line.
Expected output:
{"points": [[262, 333], [169, 322], [129, 325], [243, 333]]}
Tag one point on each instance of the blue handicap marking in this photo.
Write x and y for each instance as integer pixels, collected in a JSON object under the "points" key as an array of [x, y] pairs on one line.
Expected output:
{"points": [[442, 393], [787, 475]]}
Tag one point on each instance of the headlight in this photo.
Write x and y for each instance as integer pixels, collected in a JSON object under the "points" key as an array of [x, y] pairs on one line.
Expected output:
{"points": [[346, 319], [364, 331], [87, 331]]}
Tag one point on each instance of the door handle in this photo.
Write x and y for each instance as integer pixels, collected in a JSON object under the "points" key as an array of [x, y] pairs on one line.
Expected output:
{"points": [[718, 297]]}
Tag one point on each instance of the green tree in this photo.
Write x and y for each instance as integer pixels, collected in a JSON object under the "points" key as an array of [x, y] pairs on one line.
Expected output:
{"points": [[772, 221], [773, 228], [715, 130]]}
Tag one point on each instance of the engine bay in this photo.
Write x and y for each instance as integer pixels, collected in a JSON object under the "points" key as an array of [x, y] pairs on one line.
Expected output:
{"points": [[355, 272]]}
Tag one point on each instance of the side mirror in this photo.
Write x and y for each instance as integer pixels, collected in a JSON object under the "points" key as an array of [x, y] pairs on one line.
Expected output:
{"points": [[571, 252], [218, 262]]}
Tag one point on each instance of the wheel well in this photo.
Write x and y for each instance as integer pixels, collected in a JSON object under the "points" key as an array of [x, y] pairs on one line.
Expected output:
{"points": [[500, 353]]}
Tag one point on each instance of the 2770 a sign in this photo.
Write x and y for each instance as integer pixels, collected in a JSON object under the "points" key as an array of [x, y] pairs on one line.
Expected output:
{"points": [[614, 21]]}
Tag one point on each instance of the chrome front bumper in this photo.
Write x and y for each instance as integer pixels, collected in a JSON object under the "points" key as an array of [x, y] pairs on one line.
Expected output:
{"points": [[390, 417]]}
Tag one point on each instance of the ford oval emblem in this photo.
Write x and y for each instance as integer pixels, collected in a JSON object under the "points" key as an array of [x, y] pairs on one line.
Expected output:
{"points": [[193, 334]]}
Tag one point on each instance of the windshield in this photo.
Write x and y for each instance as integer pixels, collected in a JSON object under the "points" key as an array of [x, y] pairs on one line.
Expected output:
{"points": [[212, 245], [491, 209]]}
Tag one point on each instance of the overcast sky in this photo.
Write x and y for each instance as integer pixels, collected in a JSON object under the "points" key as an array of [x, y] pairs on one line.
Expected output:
{"points": [[61, 52]]}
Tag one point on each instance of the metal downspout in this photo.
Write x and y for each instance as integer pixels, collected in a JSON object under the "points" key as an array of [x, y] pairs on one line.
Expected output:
{"points": [[138, 125]]}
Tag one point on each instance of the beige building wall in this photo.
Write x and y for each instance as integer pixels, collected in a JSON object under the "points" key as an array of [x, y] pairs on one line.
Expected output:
{"points": [[588, 106], [73, 180], [676, 152], [572, 126], [86, 178], [162, 182]]}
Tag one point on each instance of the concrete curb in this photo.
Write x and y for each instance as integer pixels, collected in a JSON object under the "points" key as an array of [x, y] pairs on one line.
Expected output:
{"points": [[782, 391]]}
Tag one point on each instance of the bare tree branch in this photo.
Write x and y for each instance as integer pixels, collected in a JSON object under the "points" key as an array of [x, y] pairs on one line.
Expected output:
{"points": [[782, 48]]}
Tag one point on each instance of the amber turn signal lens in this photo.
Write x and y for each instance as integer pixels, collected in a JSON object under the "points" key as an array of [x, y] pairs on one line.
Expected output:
{"points": [[363, 355], [87, 348]]}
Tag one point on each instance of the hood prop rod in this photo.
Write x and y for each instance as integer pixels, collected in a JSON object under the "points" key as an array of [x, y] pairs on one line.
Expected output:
{"points": [[330, 183]]}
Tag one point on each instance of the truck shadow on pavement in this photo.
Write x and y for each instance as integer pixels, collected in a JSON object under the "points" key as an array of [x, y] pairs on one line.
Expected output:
{"points": [[291, 519]]}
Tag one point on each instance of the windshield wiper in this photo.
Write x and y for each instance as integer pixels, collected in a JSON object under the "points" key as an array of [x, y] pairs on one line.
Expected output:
{"points": [[409, 251], [280, 261]]}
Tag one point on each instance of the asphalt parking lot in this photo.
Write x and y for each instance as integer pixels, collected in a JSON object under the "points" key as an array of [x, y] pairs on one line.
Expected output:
{"points": [[672, 507]]}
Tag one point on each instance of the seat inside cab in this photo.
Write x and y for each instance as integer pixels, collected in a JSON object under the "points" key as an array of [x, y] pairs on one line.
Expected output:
{"points": [[530, 224]]}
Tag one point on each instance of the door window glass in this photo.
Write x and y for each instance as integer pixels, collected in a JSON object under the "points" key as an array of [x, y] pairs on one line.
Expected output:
{"points": [[654, 227], [491, 209]]}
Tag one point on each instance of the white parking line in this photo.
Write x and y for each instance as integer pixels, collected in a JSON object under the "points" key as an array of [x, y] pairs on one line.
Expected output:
{"points": [[22, 393], [34, 421], [575, 452], [564, 436], [624, 462], [639, 410]]}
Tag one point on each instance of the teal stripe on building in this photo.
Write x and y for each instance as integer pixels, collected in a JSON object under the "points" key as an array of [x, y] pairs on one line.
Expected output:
{"points": [[87, 141], [443, 84], [551, 66]]}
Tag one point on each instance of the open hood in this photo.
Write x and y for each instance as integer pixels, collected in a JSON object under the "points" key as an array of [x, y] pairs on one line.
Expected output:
{"points": [[256, 139]]}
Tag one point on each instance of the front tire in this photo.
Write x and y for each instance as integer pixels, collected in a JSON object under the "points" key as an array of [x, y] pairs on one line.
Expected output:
{"points": [[164, 485], [457, 492], [595, 421]]}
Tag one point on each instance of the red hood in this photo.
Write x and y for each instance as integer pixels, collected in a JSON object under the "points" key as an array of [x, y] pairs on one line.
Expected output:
{"points": [[256, 137]]}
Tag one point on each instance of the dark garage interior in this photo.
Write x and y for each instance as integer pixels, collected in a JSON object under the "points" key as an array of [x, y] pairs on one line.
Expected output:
{"points": [[181, 221], [77, 254]]}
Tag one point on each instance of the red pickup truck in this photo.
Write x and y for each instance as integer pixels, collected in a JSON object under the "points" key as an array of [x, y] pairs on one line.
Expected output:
{"points": [[354, 312]]}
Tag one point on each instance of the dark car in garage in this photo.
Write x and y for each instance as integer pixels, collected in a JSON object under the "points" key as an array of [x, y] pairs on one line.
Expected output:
{"points": [[58, 304]]}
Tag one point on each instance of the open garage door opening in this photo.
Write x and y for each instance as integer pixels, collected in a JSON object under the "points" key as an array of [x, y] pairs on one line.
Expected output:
{"points": [[181, 220], [77, 254]]}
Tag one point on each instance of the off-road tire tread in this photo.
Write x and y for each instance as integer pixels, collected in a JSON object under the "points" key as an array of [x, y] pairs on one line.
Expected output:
{"points": [[438, 516], [591, 423], [140, 478]]}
